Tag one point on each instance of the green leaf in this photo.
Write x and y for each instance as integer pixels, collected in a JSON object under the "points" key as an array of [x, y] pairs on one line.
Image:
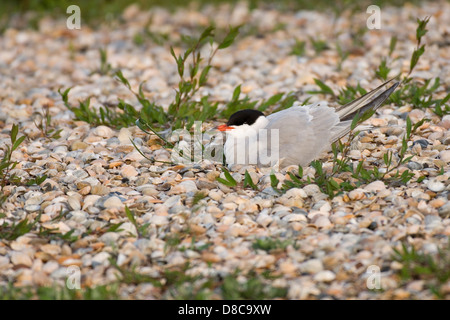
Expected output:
{"points": [[386, 159], [65, 97], [225, 182], [415, 57], [383, 70], [300, 172], [204, 75], [228, 176], [271, 101], [274, 181], [115, 227], [392, 45], [355, 121], [236, 93], [325, 89], [229, 38], [17, 143], [229, 180], [418, 124], [122, 79], [294, 179], [208, 32], [299, 48], [421, 28], [408, 128], [14, 131], [130, 215], [334, 184], [248, 182]]}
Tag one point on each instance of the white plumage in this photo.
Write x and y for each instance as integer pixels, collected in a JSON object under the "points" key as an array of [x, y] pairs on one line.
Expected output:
{"points": [[304, 132]]}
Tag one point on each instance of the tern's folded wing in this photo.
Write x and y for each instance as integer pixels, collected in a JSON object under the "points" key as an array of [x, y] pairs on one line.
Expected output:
{"points": [[304, 132]]}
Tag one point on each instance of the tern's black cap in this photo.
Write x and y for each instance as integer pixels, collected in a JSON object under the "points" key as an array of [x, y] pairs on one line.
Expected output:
{"points": [[247, 116]]}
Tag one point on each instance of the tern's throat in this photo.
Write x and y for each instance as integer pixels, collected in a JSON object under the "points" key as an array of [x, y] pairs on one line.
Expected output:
{"points": [[241, 146]]}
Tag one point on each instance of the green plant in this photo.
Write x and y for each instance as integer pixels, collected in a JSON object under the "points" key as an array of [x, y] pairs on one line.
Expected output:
{"points": [[44, 124], [319, 45], [349, 93], [54, 235], [269, 244], [146, 34], [122, 115], [392, 45], [6, 164], [103, 292], [434, 269], [17, 229], [254, 287], [299, 48], [383, 71], [343, 55], [324, 88], [274, 103], [229, 181], [105, 67], [174, 284], [412, 91], [237, 104], [184, 110], [248, 182], [142, 230]]}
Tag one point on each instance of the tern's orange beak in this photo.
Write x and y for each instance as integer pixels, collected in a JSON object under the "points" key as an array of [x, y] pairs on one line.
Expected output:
{"points": [[224, 127]]}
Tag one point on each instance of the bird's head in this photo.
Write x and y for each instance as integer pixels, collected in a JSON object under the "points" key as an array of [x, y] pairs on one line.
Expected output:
{"points": [[244, 121]]}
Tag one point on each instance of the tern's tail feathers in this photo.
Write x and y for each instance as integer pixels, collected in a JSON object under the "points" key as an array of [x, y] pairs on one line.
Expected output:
{"points": [[370, 101], [360, 106]]}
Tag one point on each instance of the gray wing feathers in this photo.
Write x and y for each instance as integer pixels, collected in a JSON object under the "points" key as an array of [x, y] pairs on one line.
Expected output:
{"points": [[307, 127], [347, 111], [346, 121], [306, 131]]}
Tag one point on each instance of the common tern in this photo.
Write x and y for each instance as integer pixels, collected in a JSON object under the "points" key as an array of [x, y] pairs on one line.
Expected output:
{"points": [[294, 136]]}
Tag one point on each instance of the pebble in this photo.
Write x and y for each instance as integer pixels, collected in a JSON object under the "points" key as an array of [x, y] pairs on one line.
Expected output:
{"points": [[264, 219], [444, 211], [311, 266], [435, 186], [356, 194], [113, 202], [109, 238], [205, 184], [124, 136], [99, 190], [101, 258], [78, 145], [128, 171], [414, 165], [445, 156], [324, 276], [311, 189], [19, 258], [375, 186], [189, 185], [322, 222]]}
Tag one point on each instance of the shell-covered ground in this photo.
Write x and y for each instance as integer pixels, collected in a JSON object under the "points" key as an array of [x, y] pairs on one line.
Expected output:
{"points": [[186, 235]]}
